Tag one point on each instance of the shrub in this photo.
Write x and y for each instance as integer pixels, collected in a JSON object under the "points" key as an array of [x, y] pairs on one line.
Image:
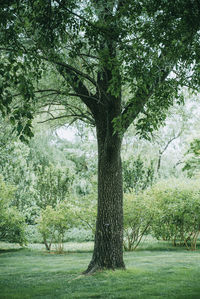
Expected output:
{"points": [[12, 223], [85, 212], [53, 224], [12, 226], [137, 219], [177, 211]]}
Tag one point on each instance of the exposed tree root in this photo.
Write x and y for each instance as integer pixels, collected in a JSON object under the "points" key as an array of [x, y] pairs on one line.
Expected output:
{"points": [[92, 269], [95, 267]]}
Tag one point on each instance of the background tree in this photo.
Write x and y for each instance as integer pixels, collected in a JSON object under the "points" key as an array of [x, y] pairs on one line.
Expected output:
{"points": [[12, 223], [41, 177], [94, 51]]}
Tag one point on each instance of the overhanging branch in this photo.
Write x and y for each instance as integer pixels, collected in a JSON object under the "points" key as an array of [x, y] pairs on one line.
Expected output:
{"points": [[80, 89], [82, 117], [141, 98], [71, 69]]}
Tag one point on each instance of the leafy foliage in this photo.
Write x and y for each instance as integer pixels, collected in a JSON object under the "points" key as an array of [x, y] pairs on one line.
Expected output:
{"points": [[150, 50], [176, 212], [41, 177], [52, 185], [53, 224], [137, 176], [12, 224], [137, 219], [192, 163], [170, 210]]}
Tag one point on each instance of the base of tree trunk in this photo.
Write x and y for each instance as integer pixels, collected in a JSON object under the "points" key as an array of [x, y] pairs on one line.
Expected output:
{"points": [[95, 267]]}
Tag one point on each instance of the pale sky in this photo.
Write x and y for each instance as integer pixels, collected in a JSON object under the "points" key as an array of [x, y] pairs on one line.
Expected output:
{"points": [[67, 133]]}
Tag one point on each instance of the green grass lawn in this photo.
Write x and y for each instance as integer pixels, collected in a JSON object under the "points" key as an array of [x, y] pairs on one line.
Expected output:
{"points": [[154, 271]]}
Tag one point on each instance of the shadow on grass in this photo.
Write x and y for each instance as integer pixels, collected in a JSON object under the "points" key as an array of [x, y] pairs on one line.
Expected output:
{"points": [[67, 252], [164, 246], [173, 249], [160, 245], [11, 250], [22, 251]]}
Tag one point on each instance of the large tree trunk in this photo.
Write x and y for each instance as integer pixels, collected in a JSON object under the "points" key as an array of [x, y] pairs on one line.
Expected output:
{"points": [[108, 248]]}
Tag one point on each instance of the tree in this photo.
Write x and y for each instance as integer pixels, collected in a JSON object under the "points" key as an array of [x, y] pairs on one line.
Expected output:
{"points": [[91, 53], [173, 137], [41, 178], [17, 169]]}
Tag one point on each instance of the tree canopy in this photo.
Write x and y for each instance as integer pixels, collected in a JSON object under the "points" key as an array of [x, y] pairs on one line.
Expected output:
{"points": [[96, 48]]}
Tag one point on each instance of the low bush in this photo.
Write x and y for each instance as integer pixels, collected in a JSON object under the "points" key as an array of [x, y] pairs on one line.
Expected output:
{"points": [[170, 211], [12, 223], [54, 223], [176, 212], [137, 219]]}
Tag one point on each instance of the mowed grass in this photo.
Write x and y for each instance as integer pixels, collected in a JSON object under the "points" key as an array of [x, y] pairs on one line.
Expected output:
{"points": [[157, 270]]}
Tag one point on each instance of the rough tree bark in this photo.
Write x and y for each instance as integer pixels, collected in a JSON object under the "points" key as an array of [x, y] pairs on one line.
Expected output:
{"points": [[108, 248]]}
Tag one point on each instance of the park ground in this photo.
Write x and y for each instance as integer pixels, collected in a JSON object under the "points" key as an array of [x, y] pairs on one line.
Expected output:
{"points": [[156, 270]]}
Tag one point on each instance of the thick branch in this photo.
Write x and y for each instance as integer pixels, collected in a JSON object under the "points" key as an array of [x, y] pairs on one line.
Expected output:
{"points": [[71, 69], [79, 88], [58, 92], [141, 98]]}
